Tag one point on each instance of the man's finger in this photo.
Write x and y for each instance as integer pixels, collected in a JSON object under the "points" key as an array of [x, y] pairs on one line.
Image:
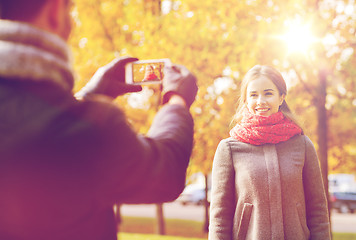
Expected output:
{"points": [[133, 88]]}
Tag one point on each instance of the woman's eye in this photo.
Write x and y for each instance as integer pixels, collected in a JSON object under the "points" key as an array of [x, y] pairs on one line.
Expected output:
{"points": [[269, 93]]}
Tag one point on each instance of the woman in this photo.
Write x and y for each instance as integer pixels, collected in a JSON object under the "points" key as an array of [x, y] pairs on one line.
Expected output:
{"points": [[267, 182], [149, 74]]}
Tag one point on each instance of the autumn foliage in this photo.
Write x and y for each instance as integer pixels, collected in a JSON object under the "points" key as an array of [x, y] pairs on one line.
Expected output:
{"points": [[219, 41]]}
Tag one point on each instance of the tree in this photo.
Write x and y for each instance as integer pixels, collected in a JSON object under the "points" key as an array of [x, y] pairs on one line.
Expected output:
{"points": [[219, 41], [318, 67]]}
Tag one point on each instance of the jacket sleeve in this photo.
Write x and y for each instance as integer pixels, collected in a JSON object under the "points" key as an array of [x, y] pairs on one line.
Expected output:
{"points": [[315, 199], [222, 206], [132, 168]]}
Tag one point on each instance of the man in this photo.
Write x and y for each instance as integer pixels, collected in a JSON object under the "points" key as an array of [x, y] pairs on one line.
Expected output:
{"points": [[64, 162]]}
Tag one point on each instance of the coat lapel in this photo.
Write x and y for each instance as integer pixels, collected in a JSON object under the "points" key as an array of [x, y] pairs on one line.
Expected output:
{"points": [[274, 191]]}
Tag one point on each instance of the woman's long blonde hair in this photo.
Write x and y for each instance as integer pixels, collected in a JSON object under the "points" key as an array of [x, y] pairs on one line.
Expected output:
{"points": [[277, 79]]}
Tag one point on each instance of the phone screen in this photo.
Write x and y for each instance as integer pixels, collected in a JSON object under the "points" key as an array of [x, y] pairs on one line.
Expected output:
{"points": [[147, 71]]}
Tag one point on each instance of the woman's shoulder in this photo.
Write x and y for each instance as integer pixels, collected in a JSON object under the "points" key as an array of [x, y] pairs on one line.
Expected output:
{"points": [[235, 144], [230, 148], [298, 140], [230, 140], [307, 140]]}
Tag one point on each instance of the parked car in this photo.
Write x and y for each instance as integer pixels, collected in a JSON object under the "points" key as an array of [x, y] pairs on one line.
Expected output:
{"points": [[193, 194], [342, 182], [343, 202]]}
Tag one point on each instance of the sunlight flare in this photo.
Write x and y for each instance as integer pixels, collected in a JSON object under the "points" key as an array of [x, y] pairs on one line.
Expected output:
{"points": [[298, 38]]}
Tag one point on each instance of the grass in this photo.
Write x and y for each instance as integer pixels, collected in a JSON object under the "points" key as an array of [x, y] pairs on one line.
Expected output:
{"points": [[344, 236], [174, 227], [136, 228], [135, 236]]}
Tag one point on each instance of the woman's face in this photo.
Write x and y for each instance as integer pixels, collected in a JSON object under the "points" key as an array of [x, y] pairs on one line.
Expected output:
{"points": [[262, 97]]}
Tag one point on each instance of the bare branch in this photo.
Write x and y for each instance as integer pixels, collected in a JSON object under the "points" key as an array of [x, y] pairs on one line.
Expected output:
{"points": [[104, 27], [306, 87]]}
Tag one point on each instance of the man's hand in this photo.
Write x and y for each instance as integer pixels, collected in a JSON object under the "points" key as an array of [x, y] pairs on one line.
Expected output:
{"points": [[179, 81], [109, 80]]}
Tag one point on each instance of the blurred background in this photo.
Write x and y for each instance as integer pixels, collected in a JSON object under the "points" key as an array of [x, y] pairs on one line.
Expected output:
{"points": [[312, 42]]}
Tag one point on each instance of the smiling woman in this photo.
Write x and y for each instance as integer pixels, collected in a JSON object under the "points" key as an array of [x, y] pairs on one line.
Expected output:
{"points": [[276, 82], [266, 179], [263, 97]]}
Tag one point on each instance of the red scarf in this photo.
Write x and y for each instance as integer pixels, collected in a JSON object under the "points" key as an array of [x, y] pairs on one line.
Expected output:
{"points": [[258, 130]]}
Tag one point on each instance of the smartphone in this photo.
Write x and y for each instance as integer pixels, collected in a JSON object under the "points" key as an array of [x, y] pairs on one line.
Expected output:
{"points": [[146, 71]]}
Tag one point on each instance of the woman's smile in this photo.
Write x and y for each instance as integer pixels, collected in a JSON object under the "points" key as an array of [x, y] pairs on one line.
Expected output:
{"points": [[263, 97]]}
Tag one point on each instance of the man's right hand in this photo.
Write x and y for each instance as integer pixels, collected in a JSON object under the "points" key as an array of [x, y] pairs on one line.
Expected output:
{"points": [[109, 80], [178, 80]]}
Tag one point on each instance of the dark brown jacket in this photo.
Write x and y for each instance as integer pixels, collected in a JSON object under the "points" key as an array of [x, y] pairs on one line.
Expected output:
{"points": [[64, 162]]}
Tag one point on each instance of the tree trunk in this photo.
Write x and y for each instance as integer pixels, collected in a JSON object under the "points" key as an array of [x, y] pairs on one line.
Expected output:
{"points": [[118, 219], [206, 206], [153, 6], [322, 130], [161, 229]]}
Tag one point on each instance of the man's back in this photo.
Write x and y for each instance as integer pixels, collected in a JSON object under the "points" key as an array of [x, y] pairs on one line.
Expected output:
{"points": [[64, 162], [48, 173], [61, 160]]}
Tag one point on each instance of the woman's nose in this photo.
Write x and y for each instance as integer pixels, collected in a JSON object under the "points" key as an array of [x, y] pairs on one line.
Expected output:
{"points": [[261, 99]]}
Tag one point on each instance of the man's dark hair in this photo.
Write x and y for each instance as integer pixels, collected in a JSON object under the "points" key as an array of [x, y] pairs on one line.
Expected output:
{"points": [[21, 10]]}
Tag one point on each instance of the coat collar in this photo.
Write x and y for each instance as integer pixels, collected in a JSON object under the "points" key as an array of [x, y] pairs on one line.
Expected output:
{"points": [[31, 54]]}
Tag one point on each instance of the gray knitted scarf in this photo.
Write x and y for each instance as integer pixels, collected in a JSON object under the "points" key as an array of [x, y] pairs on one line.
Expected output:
{"points": [[28, 53]]}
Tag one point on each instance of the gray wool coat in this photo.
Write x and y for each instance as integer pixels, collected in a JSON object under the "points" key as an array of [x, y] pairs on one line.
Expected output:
{"points": [[268, 192]]}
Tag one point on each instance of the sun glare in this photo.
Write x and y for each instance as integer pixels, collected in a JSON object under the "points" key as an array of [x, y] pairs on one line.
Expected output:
{"points": [[298, 38]]}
